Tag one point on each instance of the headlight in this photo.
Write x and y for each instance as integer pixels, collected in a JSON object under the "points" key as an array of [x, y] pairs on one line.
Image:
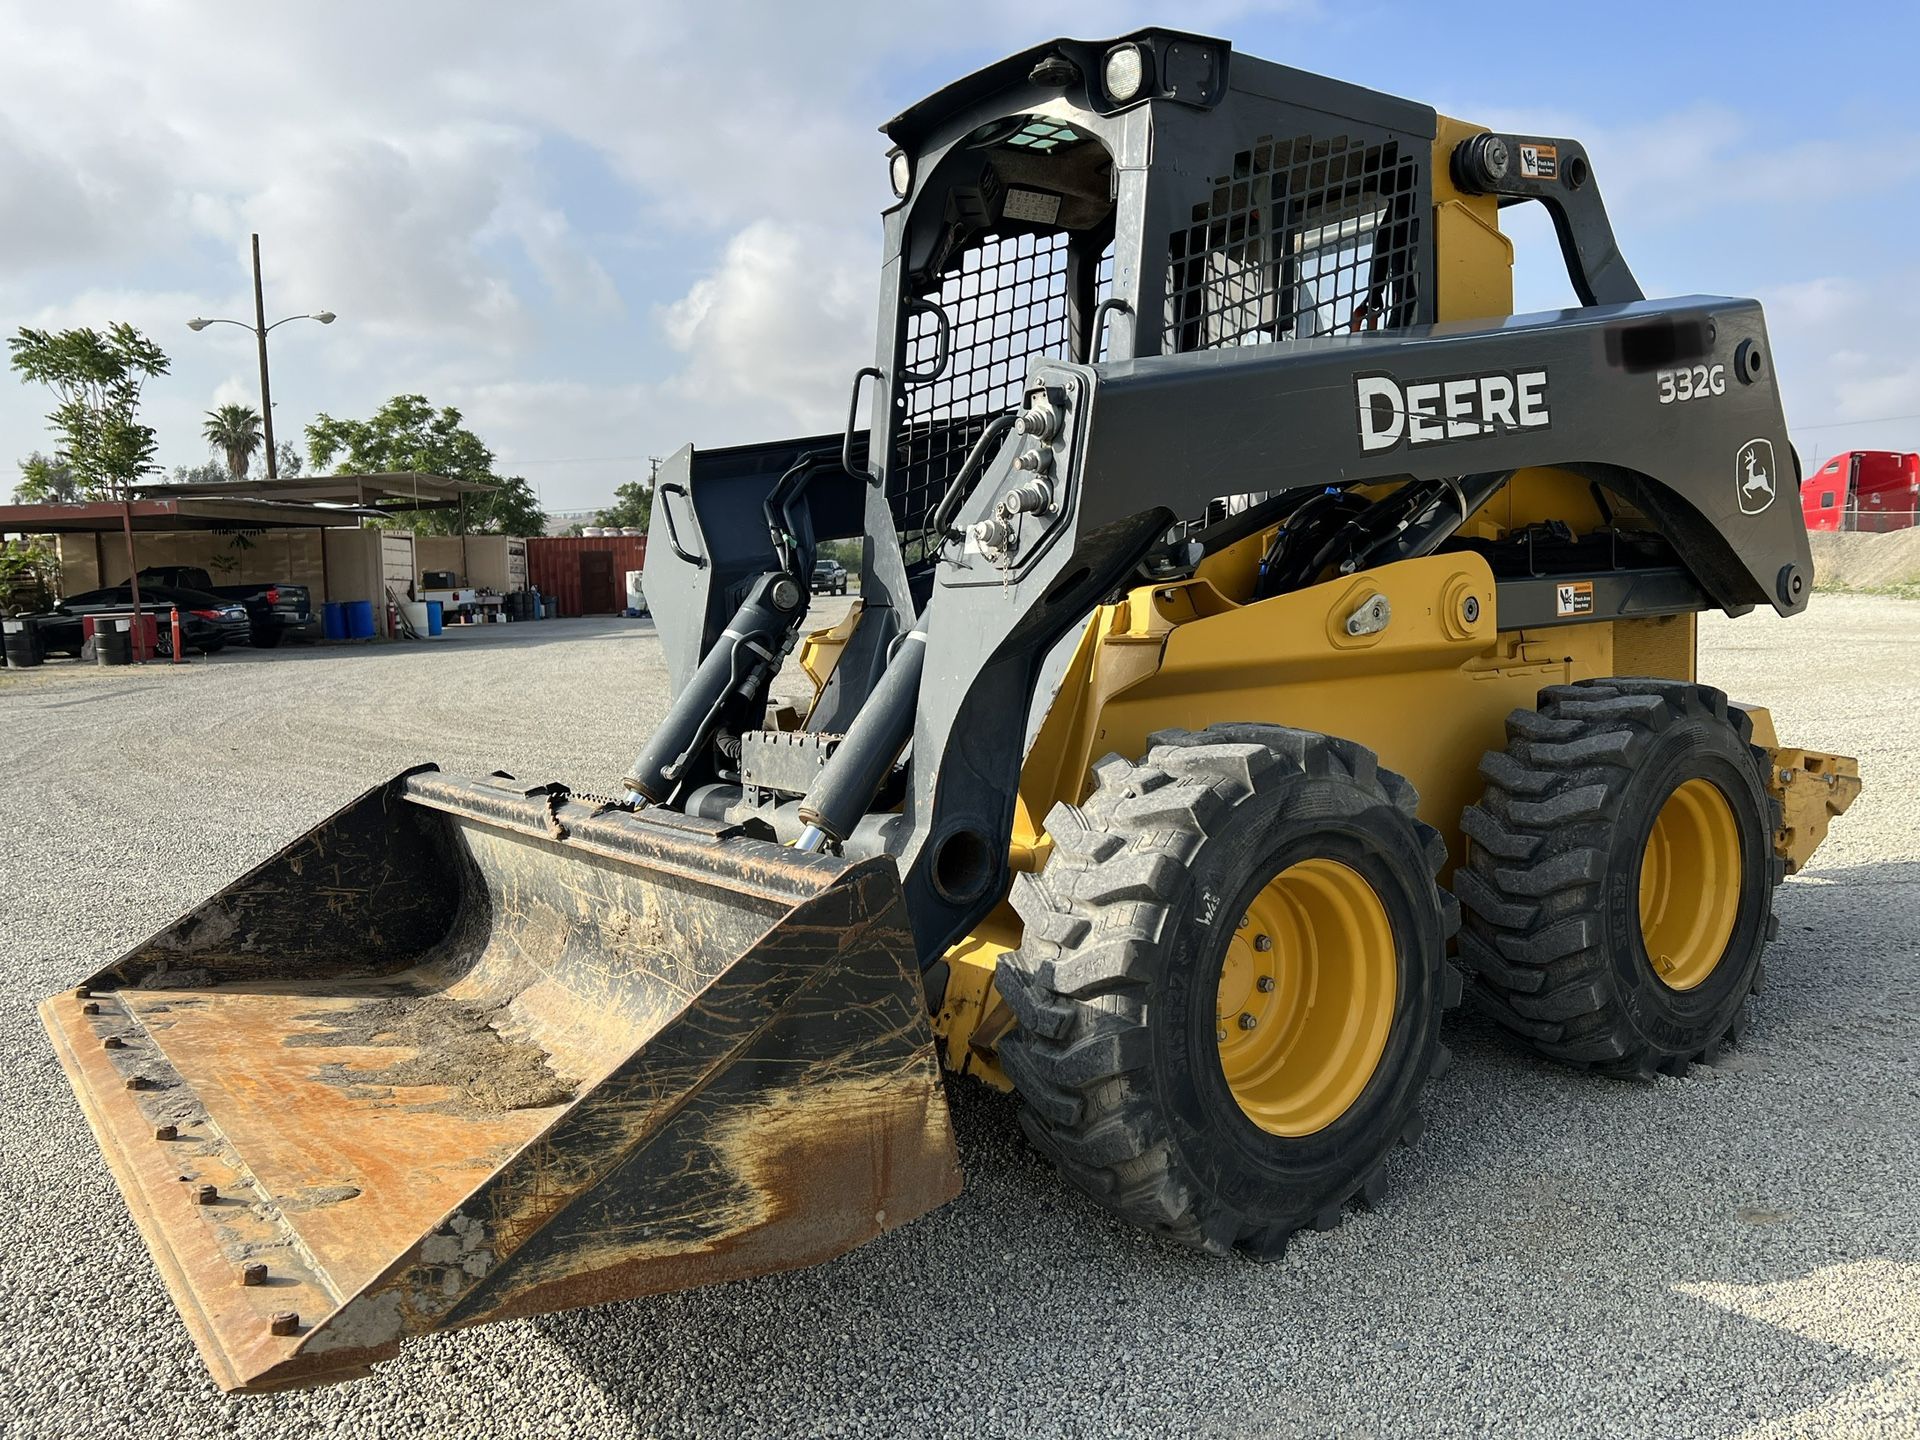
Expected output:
{"points": [[1126, 72], [900, 172]]}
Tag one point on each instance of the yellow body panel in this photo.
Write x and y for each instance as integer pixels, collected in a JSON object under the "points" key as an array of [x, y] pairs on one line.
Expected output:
{"points": [[820, 649]]}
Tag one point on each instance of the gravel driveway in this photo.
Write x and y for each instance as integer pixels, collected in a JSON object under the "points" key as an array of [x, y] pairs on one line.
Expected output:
{"points": [[1734, 1254]]}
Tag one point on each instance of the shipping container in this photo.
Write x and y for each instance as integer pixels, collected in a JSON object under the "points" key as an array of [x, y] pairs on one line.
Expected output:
{"points": [[584, 574]]}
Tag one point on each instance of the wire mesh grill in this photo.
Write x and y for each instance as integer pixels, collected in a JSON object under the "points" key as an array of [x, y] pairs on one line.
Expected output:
{"points": [[1304, 237], [1004, 305]]}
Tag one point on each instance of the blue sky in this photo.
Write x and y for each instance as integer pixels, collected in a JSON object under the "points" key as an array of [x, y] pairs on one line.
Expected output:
{"points": [[604, 230]]}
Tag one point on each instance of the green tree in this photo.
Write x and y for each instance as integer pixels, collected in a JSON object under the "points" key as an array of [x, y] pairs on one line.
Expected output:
{"points": [[97, 378], [211, 472], [29, 570], [46, 481], [632, 505], [407, 433], [233, 431]]}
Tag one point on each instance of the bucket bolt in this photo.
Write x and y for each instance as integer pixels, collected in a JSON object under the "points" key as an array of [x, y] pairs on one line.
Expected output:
{"points": [[81, 992], [165, 1132], [113, 1042], [92, 1007], [254, 1274], [284, 1322], [139, 1082], [205, 1194]]}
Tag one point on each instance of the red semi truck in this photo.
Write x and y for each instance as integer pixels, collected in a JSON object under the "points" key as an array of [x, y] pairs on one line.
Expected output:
{"points": [[1863, 490]]}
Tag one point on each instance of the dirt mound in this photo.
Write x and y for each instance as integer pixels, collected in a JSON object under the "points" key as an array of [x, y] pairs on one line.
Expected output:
{"points": [[1866, 562]]}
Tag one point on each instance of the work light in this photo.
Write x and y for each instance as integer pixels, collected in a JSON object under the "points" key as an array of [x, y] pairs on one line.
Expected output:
{"points": [[1126, 72]]}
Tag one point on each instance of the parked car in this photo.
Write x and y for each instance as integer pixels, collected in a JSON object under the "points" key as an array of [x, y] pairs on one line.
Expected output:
{"points": [[207, 622], [278, 610], [829, 577]]}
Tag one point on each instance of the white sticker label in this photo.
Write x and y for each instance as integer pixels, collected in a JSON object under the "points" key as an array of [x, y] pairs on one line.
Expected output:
{"points": [[1754, 476], [1539, 162], [1691, 382], [1466, 407], [1573, 597], [1035, 205]]}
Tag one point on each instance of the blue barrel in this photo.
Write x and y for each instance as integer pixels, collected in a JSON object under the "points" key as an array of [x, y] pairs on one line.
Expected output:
{"points": [[359, 619], [333, 620], [436, 617]]}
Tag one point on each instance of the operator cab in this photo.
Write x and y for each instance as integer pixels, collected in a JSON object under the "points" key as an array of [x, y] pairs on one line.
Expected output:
{"points": [[1102, 202]]}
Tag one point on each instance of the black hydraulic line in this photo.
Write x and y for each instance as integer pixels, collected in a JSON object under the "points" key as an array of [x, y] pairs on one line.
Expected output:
{"points": [[734, 672], [1428, 533], [839, 796]]}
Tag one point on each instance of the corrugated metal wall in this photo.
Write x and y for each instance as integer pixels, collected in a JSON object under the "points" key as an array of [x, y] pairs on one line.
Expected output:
{"points": [[553, 565]]}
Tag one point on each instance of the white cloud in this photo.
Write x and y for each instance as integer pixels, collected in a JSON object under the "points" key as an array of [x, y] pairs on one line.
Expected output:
{"points": [[783, 322]]}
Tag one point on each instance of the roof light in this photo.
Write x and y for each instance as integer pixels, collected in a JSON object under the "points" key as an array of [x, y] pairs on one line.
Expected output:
{"points": [[900, 172], [1126, 72]]}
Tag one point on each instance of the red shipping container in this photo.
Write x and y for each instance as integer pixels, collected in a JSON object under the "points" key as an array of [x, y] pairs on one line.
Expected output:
{"points": [[585, 574]]}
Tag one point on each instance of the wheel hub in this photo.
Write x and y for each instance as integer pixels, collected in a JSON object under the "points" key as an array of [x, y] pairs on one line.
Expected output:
{"points": [[1690, 884], [1306, 997]]}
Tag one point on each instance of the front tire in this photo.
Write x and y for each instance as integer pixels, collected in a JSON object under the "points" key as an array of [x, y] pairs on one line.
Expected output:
{"points": [[1619, 881], [1145, 993]]}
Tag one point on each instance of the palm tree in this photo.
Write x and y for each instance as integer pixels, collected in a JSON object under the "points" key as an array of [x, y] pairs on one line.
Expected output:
{"points": [[234, 431]]}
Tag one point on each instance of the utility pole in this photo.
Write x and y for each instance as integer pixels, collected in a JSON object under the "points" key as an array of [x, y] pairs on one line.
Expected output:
{"points": [[266, 391]]}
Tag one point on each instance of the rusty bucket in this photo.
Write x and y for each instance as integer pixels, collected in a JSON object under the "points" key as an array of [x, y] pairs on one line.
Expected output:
{"points": [[467, 1051]]}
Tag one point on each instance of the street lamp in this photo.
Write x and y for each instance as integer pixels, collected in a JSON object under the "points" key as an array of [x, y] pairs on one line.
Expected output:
{"points": [[260, 329]]}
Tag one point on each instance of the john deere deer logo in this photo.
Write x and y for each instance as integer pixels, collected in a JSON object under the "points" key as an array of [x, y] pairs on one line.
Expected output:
{"points": [[1753, 475]]}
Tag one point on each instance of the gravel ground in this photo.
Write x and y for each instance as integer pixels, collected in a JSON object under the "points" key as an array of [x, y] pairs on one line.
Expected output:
{"points": [[1735, 1254]]}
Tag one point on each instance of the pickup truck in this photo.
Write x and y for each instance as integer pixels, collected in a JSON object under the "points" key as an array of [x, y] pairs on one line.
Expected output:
{"points": [[276, 611]]}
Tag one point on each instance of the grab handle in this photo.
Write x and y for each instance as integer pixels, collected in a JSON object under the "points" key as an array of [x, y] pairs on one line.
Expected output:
{"points": [[673, 534]]}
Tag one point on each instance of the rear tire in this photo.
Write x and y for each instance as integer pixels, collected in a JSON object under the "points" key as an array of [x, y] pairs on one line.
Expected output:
{"points": [[1621, 810], [1133, 932]]}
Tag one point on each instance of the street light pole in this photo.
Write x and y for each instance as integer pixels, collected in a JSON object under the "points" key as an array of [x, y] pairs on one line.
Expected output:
{"points": [[260, 328], [266, 390]]}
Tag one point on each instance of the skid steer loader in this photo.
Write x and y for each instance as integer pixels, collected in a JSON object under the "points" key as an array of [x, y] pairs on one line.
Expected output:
{"points": [[1249, 603]]}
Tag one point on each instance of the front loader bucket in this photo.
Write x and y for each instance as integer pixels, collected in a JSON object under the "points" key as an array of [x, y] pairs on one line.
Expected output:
{"points": [[468, 1051]]}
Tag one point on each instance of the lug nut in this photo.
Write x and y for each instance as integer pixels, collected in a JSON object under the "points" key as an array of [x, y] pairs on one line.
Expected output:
{"points": [[254, 1274], [1263, 943], [1265, 984], [205, 1194], [1220, 1035], [1244, 921], [165, 1132], [113, 1042], [284, 1322], [1247, 1022], [92, 1007]]}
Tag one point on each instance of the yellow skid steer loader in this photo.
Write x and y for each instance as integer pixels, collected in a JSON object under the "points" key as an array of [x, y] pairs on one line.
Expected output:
{"points": [[1260, 629]]}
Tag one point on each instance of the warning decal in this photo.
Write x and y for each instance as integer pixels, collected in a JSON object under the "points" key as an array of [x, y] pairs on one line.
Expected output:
{"points": [[1539, 162], [1573, 597]]}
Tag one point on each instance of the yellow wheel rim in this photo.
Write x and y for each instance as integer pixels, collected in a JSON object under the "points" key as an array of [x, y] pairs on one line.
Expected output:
{"points": [[1306, 997], [1690, 884]]}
